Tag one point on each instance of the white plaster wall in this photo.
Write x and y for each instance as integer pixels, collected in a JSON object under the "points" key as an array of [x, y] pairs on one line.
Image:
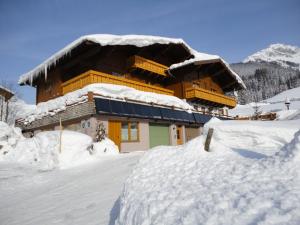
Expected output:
{"points": [[183, 135], [143, 143], [173, 134]]}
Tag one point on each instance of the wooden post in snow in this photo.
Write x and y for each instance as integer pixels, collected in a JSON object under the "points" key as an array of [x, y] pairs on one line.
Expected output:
{"points": [[208, 139], [60, 135]]}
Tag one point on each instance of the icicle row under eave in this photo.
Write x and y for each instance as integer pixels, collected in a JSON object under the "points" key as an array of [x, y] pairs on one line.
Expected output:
{"points": [[45, 71]]}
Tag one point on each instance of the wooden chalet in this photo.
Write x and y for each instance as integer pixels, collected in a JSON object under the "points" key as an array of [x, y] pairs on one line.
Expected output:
{"points": [[146, 63]]}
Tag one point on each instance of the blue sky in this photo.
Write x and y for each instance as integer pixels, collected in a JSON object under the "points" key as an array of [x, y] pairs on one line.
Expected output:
{"points": [[32, 30]]}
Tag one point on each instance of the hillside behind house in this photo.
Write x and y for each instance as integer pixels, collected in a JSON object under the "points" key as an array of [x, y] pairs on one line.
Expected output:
{"points": [[269, 72]]}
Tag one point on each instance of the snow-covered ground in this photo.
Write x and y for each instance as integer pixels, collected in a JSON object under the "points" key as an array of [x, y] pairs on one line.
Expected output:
{"points": [[83, 195], [251, 176], [274, 104]]}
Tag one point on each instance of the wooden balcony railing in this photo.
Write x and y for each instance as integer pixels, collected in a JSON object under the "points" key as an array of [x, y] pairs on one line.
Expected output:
{"points": [[200, 93], [91, 77], [148, 65]]}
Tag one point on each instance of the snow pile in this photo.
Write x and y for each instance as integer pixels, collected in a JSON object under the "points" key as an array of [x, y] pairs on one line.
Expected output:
{"points": [[106, 147], [119, 92], [274, 104], [284, 55], [43, 150], [236, 183], [9, 136]]}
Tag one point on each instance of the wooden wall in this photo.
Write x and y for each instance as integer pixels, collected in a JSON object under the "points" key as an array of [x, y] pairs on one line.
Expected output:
{"points": [[107, 61], [49, 88], [194, 79]]}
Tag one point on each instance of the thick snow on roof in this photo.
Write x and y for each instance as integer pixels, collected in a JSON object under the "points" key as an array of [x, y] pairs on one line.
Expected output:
{"points": [[202, 57], [6, 89], [103, 40], [136, 40], [122, 93]]}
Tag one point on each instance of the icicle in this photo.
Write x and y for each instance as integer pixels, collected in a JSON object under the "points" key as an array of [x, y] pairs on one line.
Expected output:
{"points": [[45, 71], [31, 79]]}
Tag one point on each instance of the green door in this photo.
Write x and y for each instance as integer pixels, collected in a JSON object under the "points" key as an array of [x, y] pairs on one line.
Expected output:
{"points": [[159, 135]]}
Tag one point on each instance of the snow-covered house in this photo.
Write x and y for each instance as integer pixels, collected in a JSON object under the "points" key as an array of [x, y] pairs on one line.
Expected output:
{"points": [[146, 90]]}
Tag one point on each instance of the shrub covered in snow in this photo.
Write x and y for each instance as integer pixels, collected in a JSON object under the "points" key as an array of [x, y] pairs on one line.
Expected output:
{"points": [[106, 146], [9, 137], [244, 180]]}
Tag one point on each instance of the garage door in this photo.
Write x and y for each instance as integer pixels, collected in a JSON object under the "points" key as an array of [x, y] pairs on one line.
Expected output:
{"points": [[159, 135]]}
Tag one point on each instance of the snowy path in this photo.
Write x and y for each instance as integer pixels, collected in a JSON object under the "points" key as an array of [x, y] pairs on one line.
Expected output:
{"points": [[81, 195]]}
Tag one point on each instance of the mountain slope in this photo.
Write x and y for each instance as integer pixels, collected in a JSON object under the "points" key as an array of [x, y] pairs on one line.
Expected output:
{"points": [[269, 72], [287, 56]]}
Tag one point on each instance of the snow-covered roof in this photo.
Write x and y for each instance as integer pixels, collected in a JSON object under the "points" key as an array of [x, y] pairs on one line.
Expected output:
{"points": [[5, 92], [103, 40], [135, 40], [118, 92], [207, 58]]}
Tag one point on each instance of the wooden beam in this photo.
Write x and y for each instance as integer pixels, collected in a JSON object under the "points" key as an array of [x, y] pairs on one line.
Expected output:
{"points": [[82, 57], [228, 85], [219, 72]]}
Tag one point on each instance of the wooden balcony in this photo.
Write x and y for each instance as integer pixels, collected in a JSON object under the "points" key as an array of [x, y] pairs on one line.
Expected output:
{"points": [[209, 96], [138, 62], [91, 77]]}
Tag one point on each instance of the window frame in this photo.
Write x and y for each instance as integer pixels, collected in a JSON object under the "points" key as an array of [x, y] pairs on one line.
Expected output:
{"points": [[129, 131]]}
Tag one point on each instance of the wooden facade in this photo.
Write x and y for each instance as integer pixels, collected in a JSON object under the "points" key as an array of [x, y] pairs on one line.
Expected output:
{"points": [[145, 69]]}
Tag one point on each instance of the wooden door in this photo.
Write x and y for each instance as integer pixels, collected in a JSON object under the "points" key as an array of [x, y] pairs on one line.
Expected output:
{"points": [[114, 132], [179, 135]]}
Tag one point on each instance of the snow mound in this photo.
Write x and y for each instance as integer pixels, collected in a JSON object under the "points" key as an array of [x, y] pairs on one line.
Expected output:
{"points": [[119, 92], [186, 185], [9, 136], [43, 150], [106, 147], [255, 138], [281, 54]]}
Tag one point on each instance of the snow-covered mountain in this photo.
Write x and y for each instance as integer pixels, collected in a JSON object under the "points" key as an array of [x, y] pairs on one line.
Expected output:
{"points": [[287, 56]]}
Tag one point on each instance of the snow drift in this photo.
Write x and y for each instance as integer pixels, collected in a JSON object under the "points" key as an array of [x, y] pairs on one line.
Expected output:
{"points": [[51, 149], [43, 150], [236, 183], [9, 136]]}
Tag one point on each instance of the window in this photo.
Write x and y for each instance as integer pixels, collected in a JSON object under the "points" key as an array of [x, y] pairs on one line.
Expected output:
{"points": [[130, 131]]}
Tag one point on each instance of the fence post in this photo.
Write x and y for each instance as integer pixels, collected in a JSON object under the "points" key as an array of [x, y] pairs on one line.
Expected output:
{"points": [[208, 139], [60, 135]]}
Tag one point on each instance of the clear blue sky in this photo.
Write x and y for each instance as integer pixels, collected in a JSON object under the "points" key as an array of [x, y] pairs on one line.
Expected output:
{"points": [[31, 31]]}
